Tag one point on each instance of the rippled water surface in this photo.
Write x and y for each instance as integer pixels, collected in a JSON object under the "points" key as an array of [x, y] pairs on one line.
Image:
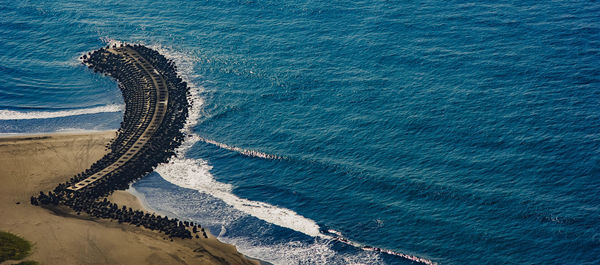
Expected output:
{"points": [[446, 132]]}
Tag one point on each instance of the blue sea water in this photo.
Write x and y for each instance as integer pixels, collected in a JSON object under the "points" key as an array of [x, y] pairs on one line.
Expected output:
{"points": [[453, 131]]}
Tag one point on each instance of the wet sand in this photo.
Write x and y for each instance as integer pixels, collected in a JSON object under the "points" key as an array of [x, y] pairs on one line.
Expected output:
{"points": [[33, 163]]}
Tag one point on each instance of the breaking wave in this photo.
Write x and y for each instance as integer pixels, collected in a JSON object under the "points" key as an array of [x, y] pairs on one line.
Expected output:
{"points": [[317, 252], [30, 115], [195, 174]]}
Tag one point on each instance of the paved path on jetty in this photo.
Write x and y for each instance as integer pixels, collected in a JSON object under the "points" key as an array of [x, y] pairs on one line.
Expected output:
{"points": [[152, 92]]}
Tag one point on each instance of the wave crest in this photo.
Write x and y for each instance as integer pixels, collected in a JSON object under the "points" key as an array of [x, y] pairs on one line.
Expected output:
{"points": [[31, 115], [195, 174]]}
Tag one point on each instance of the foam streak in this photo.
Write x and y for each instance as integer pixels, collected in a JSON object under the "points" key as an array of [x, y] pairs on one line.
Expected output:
{"points": [[31, 115], [246, 152]]}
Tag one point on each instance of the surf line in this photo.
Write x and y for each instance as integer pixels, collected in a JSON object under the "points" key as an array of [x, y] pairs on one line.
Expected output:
{"points": [[329, 234], [192, 138], [337, 236]]}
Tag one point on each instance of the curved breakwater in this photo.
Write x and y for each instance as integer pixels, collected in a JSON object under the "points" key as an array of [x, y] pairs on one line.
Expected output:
{"points": [[153, 131], [156, 108]]}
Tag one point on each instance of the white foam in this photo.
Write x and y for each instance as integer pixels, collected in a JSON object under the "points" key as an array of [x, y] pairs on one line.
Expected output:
{"points": [[297, 252], [30, 115], [340, 237], [195, 173], [111, 41]]}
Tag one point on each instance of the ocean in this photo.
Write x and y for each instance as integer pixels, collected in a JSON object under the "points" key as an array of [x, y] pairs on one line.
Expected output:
{"points": [[449, 132]]}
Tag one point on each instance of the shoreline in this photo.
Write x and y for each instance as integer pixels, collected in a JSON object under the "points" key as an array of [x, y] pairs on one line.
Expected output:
{"points": [[33, 162], [67, 132]]}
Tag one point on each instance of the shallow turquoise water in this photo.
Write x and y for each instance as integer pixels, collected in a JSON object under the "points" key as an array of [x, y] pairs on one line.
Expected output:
{"points": [[459, 132]]}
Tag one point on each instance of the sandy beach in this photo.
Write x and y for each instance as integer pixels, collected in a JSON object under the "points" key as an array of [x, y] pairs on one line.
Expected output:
{"points": [[33, 163]]}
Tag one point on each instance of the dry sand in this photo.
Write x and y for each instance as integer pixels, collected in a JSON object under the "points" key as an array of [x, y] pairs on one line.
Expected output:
{"points": [[29, 164]]}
